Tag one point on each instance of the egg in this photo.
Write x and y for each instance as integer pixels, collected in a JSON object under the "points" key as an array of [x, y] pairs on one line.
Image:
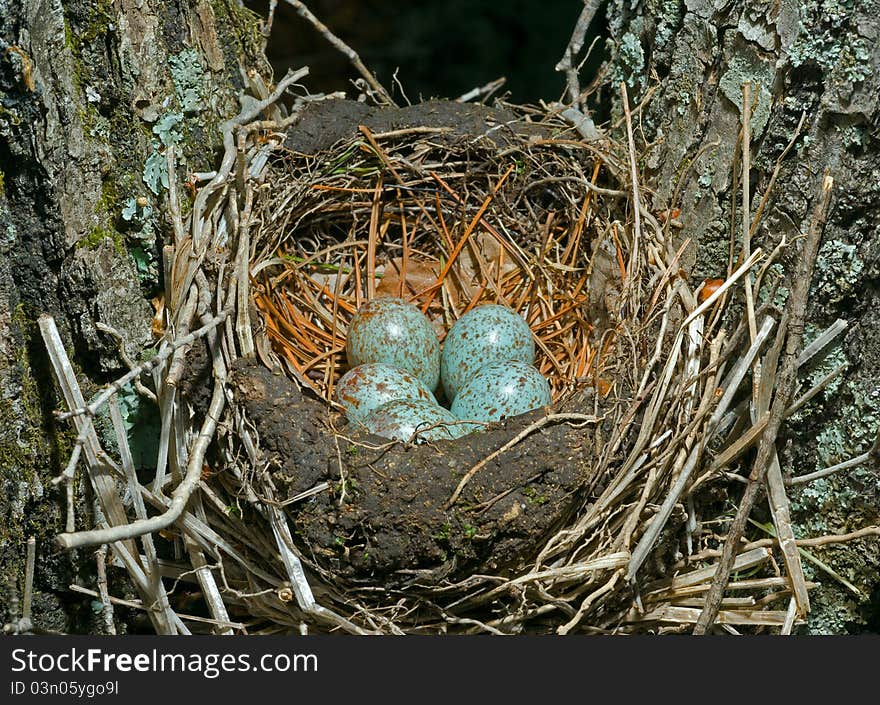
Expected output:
{"points": [[401, 418], [369, 386], [486, 334], [395, 332], [501, 390]]}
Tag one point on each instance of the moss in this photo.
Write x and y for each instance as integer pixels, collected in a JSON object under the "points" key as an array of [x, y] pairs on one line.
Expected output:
{"points": [[99, 234], [2, 184], [245, 24]]}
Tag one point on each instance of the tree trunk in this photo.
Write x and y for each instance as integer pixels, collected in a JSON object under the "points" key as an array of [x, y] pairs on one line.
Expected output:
{"points": [[821, 60], [91, 94]]}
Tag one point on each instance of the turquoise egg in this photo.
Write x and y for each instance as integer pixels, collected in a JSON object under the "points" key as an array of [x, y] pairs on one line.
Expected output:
{"points": [[395, 332], [400, 419], [501, 390], [484, 335], [369, 386]]}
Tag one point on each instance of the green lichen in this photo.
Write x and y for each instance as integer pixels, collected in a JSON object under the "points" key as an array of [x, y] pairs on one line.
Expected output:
{"points": [[772, 278], [2, 184], [856, 430], [838, 271], [630, 65], [187, 73], [760, 74], [669, 14], [705, 180], [828, 39]]}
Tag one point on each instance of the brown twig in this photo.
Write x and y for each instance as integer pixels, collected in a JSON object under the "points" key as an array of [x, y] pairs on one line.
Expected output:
{"points": [[352, 55]]}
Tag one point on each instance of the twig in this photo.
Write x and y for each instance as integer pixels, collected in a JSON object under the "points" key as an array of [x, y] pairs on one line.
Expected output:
{"points": [[746, 207], [567, 63], [352, 55], [785, 386], [107, 610], [28, 592], [181, 494], [635, 247], [845, 465], [486, 90], [144, 367], [541, 423]]}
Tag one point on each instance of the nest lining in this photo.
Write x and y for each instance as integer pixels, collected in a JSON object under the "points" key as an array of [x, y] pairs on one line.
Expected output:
{"points": [[448, 220]]}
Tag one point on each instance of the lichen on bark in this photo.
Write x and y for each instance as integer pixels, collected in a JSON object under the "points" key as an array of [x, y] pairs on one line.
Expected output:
{"points": [[82, 87], [820, 58]]}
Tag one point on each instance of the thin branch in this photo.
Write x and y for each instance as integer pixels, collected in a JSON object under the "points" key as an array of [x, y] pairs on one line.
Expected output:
{"points": [[567, 64], [786, 381], [352, 55]]}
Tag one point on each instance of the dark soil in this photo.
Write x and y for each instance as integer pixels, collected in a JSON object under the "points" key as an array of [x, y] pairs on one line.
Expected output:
{"points": [[391, 524], [323, 124]]}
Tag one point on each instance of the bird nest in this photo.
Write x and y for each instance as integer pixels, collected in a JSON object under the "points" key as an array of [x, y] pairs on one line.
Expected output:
{"points": [[601, 514]]}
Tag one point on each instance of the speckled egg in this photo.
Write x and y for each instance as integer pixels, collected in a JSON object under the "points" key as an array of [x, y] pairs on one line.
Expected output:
{"points": [[484, 335], [395, 332], [367, 387], [502, 390], [400, 419]]}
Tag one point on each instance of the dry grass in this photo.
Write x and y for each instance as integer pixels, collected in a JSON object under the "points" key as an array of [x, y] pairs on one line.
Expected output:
{"points": [[445, 228]]}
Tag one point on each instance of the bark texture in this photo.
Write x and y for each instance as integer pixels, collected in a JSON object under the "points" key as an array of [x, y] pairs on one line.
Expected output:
{"points": [[820, 58], [91, 95]]}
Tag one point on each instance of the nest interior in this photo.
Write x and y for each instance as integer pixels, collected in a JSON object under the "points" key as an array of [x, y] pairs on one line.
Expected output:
{"points": [[447, 205]]}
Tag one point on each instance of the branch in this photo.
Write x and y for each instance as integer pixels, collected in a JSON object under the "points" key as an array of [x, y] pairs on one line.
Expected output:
{"points": [[785, 388], [352, 55], [576, 43]]}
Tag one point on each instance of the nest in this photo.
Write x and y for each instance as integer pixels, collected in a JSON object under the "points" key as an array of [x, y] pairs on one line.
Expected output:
{"points": [[451, 210], [602, 514]]}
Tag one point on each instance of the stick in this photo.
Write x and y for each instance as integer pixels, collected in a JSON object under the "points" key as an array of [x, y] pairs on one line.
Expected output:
{"points": [[634, 175], [180, 496], [107, 610], [547, 420], [576, 43], [28, 592], [352, 55], [785, 387]]}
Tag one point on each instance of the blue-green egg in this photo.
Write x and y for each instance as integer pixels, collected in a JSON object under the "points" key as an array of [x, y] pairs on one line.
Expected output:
{"points": [[395, 332], [486, 334], [401, 418], [501, 390], [369, 386]]}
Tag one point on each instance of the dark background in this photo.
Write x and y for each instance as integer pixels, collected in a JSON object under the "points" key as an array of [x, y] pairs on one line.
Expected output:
{"points": [[443, 48]]}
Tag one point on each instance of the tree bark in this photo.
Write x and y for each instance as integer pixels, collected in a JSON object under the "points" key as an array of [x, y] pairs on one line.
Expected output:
{"points": [[91, 95], [820, 60]]}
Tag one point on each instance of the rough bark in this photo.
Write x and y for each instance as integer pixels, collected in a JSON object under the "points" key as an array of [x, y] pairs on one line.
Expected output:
{"points": [[91, 93], [821, 58]]}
